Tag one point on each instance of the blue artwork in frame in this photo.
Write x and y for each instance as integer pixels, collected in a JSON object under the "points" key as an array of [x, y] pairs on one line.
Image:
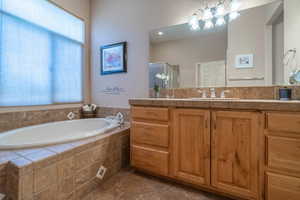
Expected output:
{"points": [[114, 58]]}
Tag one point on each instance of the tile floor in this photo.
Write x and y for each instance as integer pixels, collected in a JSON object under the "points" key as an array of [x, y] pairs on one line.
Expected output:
{"points": [[129, 185]]}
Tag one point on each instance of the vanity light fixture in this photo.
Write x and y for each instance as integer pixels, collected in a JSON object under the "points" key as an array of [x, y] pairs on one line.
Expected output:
{"points": [[233, 15], [235, 5], [208, 17], [160, 33], [194, 22], [220, 21], [220, 10], [207, 14]]}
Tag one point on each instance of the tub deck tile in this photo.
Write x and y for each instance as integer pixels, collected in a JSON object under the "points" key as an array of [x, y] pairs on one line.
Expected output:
{"points": [[21, 166], [24, 152], [6, 156], [63, 151], [42, 158]]}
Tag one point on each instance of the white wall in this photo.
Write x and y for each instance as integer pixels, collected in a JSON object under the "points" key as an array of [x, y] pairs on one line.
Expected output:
{"points": [[246, 35], [189, 51], [278, 51], [131, 20], [292, 30], [81, 8]]}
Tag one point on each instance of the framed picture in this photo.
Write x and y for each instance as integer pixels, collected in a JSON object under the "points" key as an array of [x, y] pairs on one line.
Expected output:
{"points": [[114, 58], [244, 61]]}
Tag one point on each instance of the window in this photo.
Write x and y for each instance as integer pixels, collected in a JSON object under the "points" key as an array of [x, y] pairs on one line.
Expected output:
{"points": [[41, 54]]}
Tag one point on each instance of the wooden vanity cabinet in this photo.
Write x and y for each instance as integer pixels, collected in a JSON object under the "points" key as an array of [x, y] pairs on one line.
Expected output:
{"points": [[150, 139], [191, 146], [249, 155], [234, 152], [282, 156]]}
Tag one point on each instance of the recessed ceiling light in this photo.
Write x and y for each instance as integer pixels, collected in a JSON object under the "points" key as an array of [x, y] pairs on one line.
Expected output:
{"points": [[160, 33]]}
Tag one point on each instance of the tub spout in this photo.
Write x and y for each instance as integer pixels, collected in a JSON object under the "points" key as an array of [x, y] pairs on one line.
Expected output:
{"points": [[120, 118]]}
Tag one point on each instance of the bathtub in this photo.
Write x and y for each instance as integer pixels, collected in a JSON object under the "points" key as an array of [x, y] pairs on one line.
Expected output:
{"points": [[55, 133]]}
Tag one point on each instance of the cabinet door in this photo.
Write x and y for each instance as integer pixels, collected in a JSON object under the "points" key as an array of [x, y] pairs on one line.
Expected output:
{"points": [[281, 187], [235, 152], [191, 146]]}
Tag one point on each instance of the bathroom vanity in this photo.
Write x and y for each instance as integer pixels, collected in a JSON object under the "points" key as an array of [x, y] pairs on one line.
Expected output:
{"points": [[245, 149]]}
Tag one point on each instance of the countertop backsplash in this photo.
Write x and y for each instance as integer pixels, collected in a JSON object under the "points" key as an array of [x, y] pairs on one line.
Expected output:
{"points": [[268, 92]]}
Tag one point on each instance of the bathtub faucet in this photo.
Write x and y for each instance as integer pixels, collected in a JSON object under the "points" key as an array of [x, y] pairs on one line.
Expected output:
{"points": [[120, 118]]}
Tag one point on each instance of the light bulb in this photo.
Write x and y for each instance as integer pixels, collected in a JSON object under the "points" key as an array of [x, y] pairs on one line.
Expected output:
{"points": [[194, 22], [208, 24], [220, 21], [233, 15], [195, 27], [235, 5], [220, 10], [160, 33], [207, 14]]}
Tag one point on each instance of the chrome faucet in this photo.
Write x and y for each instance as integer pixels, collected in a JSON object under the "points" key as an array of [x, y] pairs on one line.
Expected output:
{"points": [[223, 93], [203, 92], [213, 93], [120, 118]]}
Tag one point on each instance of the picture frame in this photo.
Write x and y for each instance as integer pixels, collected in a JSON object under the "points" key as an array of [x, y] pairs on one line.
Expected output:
{"points": [[113, 58], [244, 61]]}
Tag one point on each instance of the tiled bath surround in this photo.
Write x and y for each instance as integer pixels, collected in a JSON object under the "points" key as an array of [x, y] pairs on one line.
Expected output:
{"points": [[64, 171], [18, 119], [108, 111], [3, 177], [13, 120]]}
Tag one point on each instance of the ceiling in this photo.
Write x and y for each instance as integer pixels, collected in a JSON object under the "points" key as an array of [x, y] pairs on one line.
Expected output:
{"points": [[180, 31]]}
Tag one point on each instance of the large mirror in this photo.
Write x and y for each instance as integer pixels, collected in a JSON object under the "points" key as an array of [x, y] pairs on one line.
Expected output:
{"points": [[259, 48]]}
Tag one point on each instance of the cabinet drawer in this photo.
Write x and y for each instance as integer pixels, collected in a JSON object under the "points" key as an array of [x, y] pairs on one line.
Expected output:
{"points": [[284, 154], [161, 114], [152, 134], [282, 187], [284, 122], [150, 160]]}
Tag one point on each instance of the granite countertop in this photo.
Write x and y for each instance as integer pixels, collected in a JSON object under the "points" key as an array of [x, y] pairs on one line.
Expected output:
{"points": [[242, 104]]}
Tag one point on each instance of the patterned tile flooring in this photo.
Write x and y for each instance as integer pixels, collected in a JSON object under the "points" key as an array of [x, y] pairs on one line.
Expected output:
{"points": [[130, 185]]}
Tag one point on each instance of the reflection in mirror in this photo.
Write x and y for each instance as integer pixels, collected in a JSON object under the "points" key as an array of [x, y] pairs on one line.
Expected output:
{"points": [[195, 54], [259, 48]]}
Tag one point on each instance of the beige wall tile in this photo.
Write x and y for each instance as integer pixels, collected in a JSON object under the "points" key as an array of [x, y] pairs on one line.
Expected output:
{"points": [[27, 186], [268, 92], [50, 193], [82, 176], [45, 177], [13, 186], [66, 187], [67, 197], [66, 168], [99, 152], [83, 159], [3, 172], [109, 111], [13, 120]]}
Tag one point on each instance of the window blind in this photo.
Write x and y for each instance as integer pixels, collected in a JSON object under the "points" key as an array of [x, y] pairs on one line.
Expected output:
{"points": [[41, 54]]}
